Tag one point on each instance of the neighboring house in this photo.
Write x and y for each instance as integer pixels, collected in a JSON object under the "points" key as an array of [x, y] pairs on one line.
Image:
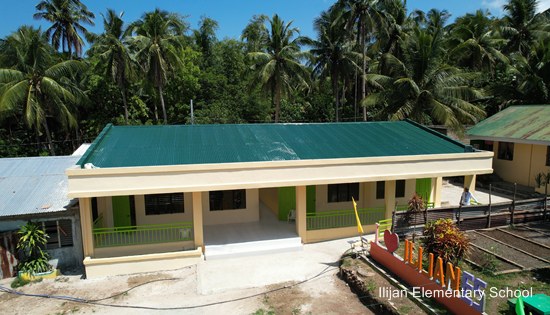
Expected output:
{"points": [[159, 197], [519, 136], [35, 189]]}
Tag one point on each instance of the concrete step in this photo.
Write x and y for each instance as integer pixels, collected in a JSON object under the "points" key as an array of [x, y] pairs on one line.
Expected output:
{"points": [[253, 248]]}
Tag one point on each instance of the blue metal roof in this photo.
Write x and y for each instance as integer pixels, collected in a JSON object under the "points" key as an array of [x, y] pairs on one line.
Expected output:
{"points": [[34, 185]]}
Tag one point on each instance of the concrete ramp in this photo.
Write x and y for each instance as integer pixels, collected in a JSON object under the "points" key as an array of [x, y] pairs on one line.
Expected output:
{"points": [[231, 250]]}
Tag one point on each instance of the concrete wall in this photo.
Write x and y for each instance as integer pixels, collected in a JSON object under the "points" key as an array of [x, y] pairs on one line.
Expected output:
{"points": [[367, 197], [142, 219], [529, 160], [103, 267], [119, 251], [333, 234], [250, 214], [66, 257], [270, 198]]}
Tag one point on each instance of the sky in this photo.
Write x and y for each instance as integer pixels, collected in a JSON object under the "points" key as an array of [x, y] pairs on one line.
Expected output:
{"points": [[232, 16]]}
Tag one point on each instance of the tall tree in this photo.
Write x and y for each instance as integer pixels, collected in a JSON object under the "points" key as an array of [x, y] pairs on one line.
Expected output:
{"points": [[35, 83], [522, 25], [472, 42], [361, 18], [332, 51], [421, 87], [113, 54], [205, 38], [67, 18], [157, 42], [255, 34], [279, 63]]}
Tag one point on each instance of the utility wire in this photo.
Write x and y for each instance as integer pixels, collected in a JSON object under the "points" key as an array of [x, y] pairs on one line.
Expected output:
{"points": [[97, 301]]}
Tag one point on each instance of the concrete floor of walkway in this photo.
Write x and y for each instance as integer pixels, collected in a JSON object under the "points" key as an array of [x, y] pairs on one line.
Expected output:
{"points": [[256, 271], [450, 195]]}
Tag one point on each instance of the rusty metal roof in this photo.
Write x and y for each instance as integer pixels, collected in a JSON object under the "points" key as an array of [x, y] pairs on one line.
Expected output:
{"points": [[34, 185], [524, 123], [126, 146]]}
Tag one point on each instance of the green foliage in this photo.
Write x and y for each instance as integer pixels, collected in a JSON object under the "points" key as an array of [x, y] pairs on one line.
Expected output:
{"points": [[367, 55], [17, 282], [444, 239], [32, 240]]}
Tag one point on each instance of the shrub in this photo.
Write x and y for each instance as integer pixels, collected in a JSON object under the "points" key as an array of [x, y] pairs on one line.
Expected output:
{"points": [[415, 205], [32, 240], [444, 239]]}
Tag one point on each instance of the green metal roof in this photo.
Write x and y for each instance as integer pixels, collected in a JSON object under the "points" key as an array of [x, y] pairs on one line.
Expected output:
{"points": [[527, 123], [124, 146]]}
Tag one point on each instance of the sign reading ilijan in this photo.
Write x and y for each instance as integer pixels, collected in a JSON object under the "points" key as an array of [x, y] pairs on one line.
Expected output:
{"points": [[459, 291]]}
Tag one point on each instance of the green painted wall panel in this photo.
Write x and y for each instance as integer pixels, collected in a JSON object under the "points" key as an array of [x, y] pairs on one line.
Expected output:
{"points": [[121, 211], [287, 201], [424, 188], [311, 194]]}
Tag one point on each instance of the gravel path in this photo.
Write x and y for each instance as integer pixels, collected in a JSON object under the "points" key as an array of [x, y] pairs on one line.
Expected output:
{"points": [[529, 247], [506, 251]]}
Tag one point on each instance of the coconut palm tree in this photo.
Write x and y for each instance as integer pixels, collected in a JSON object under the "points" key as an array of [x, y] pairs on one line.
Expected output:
{"points": [[332, 51], [473, 43], [157, 43], [113, 54], [522, 25], [421, 87], [255, 33], [361, 17], [67, 18], [279, 64], [35, 83]]}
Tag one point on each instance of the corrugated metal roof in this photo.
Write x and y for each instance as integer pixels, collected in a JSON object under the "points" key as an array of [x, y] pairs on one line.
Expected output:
{"points": [[33, 185], [530, 123], [124, 146]]}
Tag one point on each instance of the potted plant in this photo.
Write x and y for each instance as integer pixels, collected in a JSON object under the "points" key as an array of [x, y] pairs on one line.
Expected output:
{"points": [[35, 261]]}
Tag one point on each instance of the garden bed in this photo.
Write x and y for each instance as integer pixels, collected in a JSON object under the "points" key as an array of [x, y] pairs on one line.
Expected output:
{"points": [[510, 253], [490, 263], [517, 242], [530, 234]]}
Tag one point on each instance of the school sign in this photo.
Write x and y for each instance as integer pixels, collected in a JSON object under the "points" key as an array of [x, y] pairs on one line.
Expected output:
{"points": [[458, 291]]}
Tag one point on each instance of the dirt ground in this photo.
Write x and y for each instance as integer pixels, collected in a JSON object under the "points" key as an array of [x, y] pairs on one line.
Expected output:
{"points": [[176, 292]]}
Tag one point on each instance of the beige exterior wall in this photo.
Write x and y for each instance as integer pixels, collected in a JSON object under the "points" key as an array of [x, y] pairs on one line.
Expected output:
{"points": [[105, 210], [250, 214], [367, 197], [142, 219], [333, 234], [103, 267], [254, 175], [143, 249], [270, 198], [516, 170], [538, 165], [529, 160]]}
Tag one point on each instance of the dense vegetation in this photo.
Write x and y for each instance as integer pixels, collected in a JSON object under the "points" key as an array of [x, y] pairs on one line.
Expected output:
{"points": [[370, 60]]}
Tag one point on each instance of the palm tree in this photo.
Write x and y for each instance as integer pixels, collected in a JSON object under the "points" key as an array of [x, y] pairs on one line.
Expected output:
{"points": [[421, 87], [205, 38], [255, 34], [522, 25], [279, 63], [35, 83], [157, 43], [333, 53], [113, 54], [67, 18], [360, 15], [473, 43]]}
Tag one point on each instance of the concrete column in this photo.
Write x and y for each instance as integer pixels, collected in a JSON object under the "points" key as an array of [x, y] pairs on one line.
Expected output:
{"points": [[86, 226], [301, 212], [470, 183], [435, 194], [389, 197], [197, 220]]}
